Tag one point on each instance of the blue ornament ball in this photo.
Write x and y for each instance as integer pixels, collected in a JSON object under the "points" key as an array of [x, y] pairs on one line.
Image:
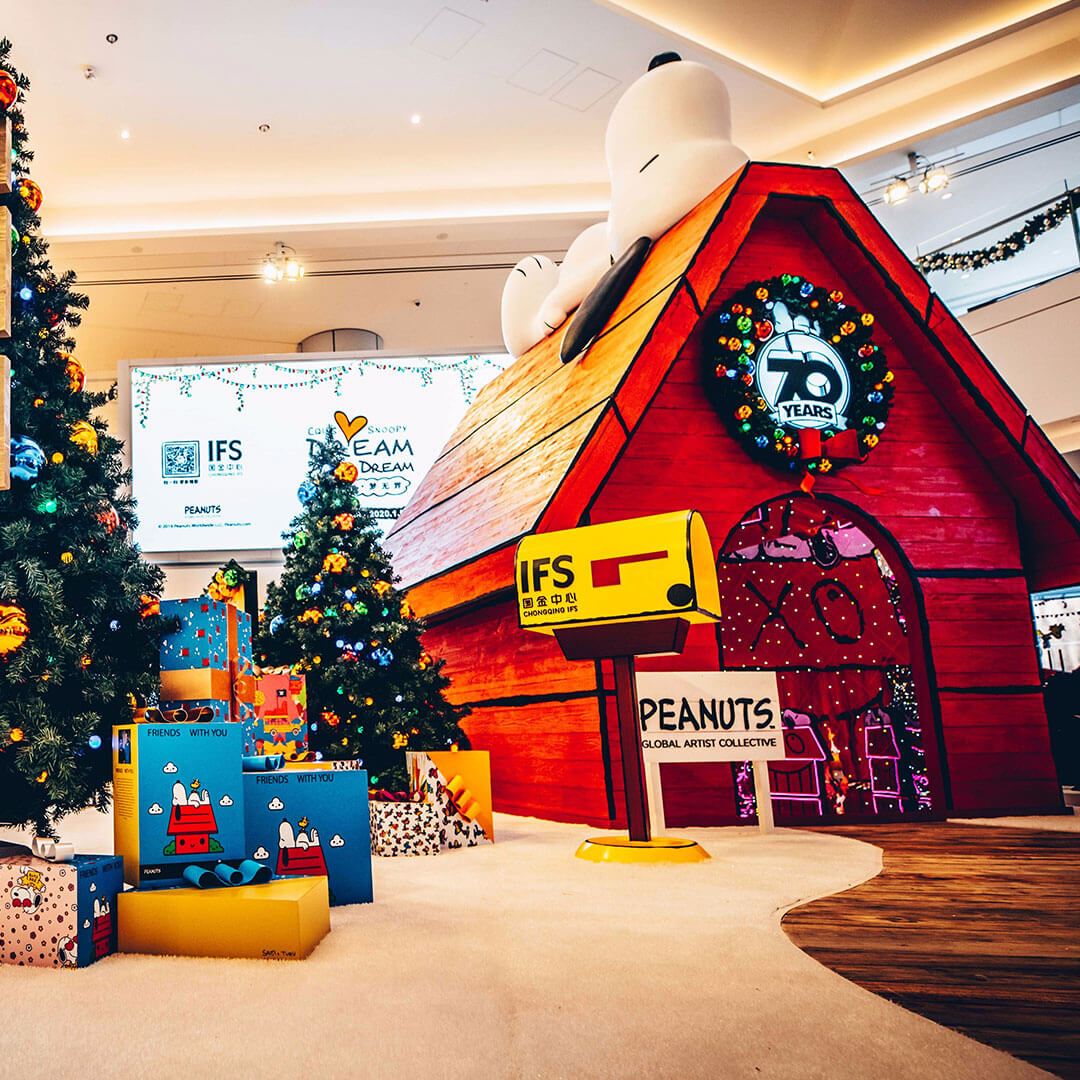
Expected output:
{"points": [[95, 742], [806, 289], [382, 656], [27, 458], [326, 469], [114, 624], [26, 293], [349, 594], [276, 623], [398, 698], [762, 441], [306, 492], [316, 588]]}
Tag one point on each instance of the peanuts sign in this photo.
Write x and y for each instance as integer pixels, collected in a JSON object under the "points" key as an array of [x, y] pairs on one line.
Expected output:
{"points": [[709, 716], [644, 568]]}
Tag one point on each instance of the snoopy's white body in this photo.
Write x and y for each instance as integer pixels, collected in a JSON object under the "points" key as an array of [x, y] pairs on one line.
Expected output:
{"points": [[668, 145]]}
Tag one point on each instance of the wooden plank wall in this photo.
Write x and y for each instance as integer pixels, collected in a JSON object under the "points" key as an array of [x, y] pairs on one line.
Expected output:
{"points": [[538, 714]]}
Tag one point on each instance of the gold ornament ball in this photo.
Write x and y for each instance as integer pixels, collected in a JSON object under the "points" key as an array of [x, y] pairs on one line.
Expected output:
{"points": [[57, 458], [67, 557], [82, 434]]}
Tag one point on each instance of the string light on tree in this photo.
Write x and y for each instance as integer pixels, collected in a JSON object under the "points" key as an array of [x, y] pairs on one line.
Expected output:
{"points": [[342, 619]]}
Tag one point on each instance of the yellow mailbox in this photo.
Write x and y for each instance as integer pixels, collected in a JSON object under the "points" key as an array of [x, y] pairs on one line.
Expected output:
{"points": [[621, 588]]}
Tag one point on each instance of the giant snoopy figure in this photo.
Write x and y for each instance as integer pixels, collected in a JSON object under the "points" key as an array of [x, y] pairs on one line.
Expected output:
{"points": [[668, 145]]}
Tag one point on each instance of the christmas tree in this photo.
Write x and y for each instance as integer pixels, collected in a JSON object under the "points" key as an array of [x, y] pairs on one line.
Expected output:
{"points": [[372, 690], [78, 625]]}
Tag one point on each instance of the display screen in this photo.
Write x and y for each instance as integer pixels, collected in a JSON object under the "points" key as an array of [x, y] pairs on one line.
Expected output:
{"points": [[219, 450]]}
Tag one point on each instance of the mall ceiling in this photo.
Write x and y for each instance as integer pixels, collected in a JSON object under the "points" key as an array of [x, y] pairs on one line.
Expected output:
{"points": [[410, 227], [510, 97]]}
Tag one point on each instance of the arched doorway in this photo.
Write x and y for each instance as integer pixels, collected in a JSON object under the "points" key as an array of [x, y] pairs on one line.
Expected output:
{"points": [[817, 591]]}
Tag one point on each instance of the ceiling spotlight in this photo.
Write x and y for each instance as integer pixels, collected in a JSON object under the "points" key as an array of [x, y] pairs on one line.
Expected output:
{"points": [[415, 118], [112, 39], [281, 264], [264, 128], [897, 191], [934, 179], [89, 72]]}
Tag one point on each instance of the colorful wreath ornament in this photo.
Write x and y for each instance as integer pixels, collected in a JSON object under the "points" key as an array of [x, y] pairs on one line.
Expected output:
{"points": [[794, 373]]}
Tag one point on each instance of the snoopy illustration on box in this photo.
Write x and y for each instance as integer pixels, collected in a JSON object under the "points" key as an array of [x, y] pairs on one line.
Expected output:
{"points": [[28, 890], [299, 854], [192, 822]]}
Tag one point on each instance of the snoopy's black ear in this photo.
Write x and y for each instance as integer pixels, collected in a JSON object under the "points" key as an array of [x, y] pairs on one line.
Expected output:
{"points": [[663, 58]]}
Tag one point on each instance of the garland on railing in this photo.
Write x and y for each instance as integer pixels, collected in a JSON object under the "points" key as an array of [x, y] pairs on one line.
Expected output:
{"points": [[1006, 248]]}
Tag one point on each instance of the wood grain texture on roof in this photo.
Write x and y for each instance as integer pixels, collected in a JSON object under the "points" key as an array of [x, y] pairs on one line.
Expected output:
{"points": [[539, 441]]}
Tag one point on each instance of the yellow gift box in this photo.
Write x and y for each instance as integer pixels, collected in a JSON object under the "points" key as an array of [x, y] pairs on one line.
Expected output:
{"points": [[281, 920]]}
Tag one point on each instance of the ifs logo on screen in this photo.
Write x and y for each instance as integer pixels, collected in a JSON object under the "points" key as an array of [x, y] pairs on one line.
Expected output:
{"points": [[181, 461]]}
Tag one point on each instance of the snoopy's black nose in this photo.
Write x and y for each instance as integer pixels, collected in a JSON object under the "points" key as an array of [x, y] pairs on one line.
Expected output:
{"points": [[663, 58]]}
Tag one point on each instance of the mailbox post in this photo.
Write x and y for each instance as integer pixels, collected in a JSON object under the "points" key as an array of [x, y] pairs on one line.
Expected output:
{"points": [[616, 591]]}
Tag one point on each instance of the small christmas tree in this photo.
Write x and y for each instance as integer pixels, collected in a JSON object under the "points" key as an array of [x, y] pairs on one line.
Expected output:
{"points": [[79, 630], [373, 691]]}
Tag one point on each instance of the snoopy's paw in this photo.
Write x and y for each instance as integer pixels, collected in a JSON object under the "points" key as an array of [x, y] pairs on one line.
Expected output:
{"points": [[529, 284]]}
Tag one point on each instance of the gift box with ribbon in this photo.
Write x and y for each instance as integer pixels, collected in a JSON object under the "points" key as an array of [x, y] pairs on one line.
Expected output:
{"points": [[304, 822], [458, 782], [57, 913], [400, 826], [278, 724], [178, 799], [207, 662]]}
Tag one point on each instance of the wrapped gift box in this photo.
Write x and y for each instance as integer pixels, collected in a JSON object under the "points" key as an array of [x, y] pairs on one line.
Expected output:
{"points": [[58, 914], [278, 720], [458, 782], [312, 821], [405, 828], [178, 799], [281, 920], [208, 660]]}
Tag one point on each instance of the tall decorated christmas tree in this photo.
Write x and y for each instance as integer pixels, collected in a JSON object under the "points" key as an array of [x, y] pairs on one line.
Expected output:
{"points": [[78, 625], [372, 690]]}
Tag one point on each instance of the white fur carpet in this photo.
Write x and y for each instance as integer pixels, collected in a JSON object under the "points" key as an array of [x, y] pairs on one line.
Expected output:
{"points": [[516, 960]]}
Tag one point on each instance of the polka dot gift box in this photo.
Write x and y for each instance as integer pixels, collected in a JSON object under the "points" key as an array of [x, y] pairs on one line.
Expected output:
{"points": [[57, 914]]}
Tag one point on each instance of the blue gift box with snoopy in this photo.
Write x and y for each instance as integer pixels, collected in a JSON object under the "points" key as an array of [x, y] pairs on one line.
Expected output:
{"points": [[178, 799], [310, 822]]}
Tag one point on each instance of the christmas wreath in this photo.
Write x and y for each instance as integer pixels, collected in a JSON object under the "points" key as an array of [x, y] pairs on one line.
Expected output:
{"points": [[794, 373]]}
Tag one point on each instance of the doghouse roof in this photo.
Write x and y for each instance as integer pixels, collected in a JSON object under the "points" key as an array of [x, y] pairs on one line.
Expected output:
{"points": [[540, 439]]}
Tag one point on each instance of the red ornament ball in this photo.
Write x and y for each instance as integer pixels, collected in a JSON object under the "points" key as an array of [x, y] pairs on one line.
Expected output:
{"points": [[109, 518], [31, 193], [9, 90]]}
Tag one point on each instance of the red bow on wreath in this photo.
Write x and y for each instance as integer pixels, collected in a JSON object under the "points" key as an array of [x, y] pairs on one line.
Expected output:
{"points": [[841, 447]]}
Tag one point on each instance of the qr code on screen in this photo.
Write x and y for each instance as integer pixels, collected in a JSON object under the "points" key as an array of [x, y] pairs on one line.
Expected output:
{"points": [[180, 460]]}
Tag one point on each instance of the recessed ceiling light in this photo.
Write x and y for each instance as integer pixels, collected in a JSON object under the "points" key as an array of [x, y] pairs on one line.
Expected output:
{"points": [[112, 39], [415, 118], [125, 134], [89, 72]]}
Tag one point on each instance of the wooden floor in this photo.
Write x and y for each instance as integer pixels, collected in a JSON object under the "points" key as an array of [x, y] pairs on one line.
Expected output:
{"points": [[975, 927]]}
